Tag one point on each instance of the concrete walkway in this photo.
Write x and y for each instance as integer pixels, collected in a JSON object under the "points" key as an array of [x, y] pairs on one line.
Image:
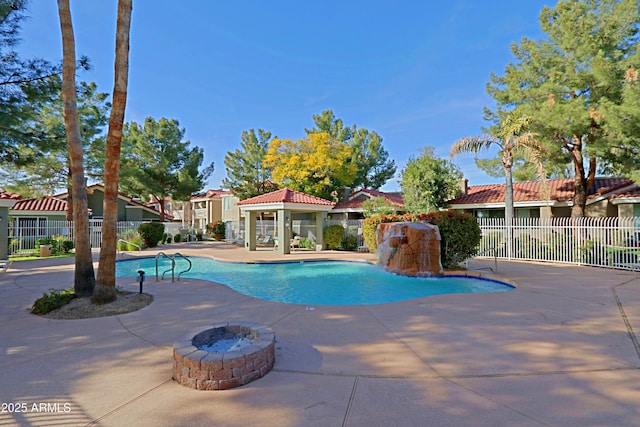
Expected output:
{"points": [[560, 350]]}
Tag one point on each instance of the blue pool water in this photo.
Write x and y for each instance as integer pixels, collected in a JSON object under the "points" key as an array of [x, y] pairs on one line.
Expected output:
{"points": [[314, 282]]}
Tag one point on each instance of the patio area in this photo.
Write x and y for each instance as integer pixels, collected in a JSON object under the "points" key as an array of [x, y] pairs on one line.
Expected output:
{"points": [[560, 350]]}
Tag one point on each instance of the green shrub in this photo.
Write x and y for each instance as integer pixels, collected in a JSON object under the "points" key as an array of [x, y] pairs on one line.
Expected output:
{"points": [[164, 238], [199, 236], [217, 230], [168, 239], [131, 240], [306, 243], [67, 246], [128, 234], [45, 241], [349, 243], [333, 236], [460, 235], [177, 237], [151, 233], [459, 231], [52, 301]]}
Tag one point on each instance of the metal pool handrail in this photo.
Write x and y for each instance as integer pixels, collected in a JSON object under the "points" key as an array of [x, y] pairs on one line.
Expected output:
{"points": [[173, 265], [186, 259]]}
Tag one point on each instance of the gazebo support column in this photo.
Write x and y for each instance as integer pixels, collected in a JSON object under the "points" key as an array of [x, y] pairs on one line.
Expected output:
{"points": [[284, 231], [250, 230], [320, 218], [4, 232]]}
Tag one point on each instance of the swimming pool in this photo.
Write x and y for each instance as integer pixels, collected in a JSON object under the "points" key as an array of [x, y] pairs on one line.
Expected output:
{"points": [[315, 282]]}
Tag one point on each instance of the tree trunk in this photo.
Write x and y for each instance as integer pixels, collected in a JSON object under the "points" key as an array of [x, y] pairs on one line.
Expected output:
{"points": [[507, 164], [69, 215], [105, 290], [161, 205], [508, 210], [84, 280], [580, 186]]}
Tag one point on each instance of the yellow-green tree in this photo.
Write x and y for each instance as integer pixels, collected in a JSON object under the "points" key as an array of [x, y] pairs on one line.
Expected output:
{"points": [[317, 165]]}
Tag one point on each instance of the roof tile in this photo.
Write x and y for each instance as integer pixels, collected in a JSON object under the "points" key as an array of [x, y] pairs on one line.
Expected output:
{"points": [[7, 195], [46, 204], [559, 189], [354, 203], [286, 195]]}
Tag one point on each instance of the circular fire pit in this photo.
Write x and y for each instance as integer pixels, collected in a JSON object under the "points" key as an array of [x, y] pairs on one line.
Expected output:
{"points": [[226, 355]]}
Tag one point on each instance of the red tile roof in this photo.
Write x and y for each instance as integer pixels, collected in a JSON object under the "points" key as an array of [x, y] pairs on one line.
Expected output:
{"points": [[211, 194], [286, 195], [46, 204], [9, 196], [353, 202], [560, 190], [630, 193]]}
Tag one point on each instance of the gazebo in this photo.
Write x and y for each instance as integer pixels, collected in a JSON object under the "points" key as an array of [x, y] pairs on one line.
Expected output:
{"points": [[7, 201], [284, 202]]}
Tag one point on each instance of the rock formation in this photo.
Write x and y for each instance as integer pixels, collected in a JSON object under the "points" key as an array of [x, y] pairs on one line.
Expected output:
{"points": [[409, 248]]}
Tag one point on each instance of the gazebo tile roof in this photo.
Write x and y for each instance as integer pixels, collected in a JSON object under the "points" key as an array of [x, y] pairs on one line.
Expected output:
{"points": [[286, 195]]}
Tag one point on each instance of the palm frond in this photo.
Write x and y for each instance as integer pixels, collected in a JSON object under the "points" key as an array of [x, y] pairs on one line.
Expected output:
{"points": [[473, 144]]}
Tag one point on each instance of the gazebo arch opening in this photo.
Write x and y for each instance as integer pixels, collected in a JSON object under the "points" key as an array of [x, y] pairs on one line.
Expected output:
{"points": [[285, 203]]}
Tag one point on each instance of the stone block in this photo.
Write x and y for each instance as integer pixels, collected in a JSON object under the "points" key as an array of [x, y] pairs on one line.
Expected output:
{"points": [[211, 362], [229, 383], [261, 358], [222, 374], [264, 369], [251, 376], [198, 374], [180, 352], [192, 360], [232, 359], [242, 370], [207, 385], [189, 382]]}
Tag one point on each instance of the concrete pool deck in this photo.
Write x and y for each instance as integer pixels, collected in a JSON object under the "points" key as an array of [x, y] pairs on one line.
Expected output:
{"points": [[560, 350]]}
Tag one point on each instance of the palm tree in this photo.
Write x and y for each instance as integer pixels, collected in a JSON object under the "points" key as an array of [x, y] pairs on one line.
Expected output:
{"points": [[105, 290], [510, 135], [84, 280]]}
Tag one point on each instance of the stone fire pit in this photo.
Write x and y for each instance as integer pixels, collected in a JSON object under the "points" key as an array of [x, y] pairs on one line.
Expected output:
{"points": [[223, 356]]}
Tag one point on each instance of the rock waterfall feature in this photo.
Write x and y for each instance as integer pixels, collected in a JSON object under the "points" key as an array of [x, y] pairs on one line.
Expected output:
{"points": [[409, 248]]}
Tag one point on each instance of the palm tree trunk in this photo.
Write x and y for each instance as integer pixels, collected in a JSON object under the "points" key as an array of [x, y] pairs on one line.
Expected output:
{"points": [[508, 210], [84, 280], [105, 290]]}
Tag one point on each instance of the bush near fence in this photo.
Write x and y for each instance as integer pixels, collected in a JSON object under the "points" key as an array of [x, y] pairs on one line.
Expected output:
{"points": [[151, 233]]}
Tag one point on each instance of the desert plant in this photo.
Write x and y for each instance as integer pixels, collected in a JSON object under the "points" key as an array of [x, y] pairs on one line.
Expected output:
{"points": [[52, 301], [151, 233], [349, 243], [333, 236], [217, 230], [306, 243], [134, 239]]}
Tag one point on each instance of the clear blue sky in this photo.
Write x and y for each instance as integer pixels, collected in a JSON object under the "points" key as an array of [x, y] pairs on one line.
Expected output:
{"points": [[414, 71]]}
